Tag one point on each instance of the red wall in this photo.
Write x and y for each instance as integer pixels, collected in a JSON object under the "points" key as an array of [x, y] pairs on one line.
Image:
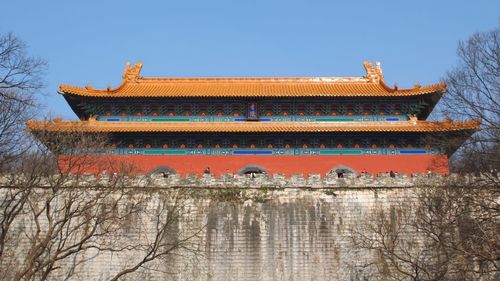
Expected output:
{"points": [[288, 165]]}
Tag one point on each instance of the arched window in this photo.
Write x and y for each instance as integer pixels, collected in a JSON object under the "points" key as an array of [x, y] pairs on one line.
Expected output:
{"points": [[252, 169]]}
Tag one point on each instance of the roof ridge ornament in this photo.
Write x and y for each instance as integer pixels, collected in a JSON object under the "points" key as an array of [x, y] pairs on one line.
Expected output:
{"points": [[373, 72], [131, 74]]}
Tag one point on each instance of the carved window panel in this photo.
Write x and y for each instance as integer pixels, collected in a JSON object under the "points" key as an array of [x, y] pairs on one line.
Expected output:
{"points": [[173, 142], [123, 110], [325, 109], [195, 109], [301, 109], [335, 110], [227, 109], [236, 109], [309, 109], [219, 109], [286, 110], [138, 142], [398, 109], [341, 143], [182, 143], [278, 142], [202, 109], [276, 109], [153, 109], [350, 109], [342, 109], [217, 143], [236, 143], [314, 109], [200, 143], [375, 143], [387, 108], [367, 109], [358, 109]]}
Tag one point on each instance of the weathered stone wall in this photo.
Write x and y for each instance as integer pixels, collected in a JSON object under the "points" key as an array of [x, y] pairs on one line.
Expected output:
{"points": [[256, 233], [286, 234]]}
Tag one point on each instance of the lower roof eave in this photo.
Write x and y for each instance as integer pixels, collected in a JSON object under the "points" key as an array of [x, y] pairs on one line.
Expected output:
{"points": [[92, 126]]}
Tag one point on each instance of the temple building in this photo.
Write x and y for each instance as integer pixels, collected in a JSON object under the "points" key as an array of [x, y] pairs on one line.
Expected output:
{"points": [[268, 125]]}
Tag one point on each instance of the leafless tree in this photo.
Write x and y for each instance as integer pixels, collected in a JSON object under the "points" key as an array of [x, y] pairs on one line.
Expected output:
{"points": [[54, 219], [474, 93], [18, 70], [20, 80], [443, 233]]}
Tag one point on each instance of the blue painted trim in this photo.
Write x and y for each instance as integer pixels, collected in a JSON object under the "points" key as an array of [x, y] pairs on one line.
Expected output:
{"points": [[290, 118], [252, 152], [412, 152]]}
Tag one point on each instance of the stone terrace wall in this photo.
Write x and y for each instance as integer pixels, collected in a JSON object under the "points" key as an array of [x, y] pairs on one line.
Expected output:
{"points": [[293, 234], [274, 234]]}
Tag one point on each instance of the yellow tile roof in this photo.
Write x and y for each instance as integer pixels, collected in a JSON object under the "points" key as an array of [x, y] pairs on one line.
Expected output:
{"points": [[250, 127], [134, 85]]}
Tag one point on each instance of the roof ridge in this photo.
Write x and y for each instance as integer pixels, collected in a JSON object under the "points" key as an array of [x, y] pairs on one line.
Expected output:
{"points": [[326, 79], [372, 84]]}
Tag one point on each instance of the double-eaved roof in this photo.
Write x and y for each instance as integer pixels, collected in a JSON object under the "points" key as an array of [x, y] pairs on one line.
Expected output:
{"points": [[370, 85], [135, 86]]}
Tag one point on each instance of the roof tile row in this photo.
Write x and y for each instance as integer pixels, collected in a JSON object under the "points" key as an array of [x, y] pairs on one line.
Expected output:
{"points": [[251, 127], [134, 85]]}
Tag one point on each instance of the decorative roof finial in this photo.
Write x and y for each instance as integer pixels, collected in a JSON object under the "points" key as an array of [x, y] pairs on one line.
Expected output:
{"points": [[373, 72], [132, 73]]}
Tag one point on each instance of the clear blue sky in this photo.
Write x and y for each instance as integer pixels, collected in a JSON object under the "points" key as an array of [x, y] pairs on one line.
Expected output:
{"points": [[89, 42]]}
